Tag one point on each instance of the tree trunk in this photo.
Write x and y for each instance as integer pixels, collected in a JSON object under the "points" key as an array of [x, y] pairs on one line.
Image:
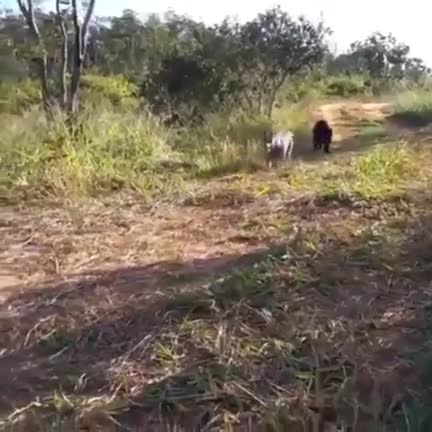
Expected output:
{"points": [[64, 57], [76, 72], [42, 73], [42, 60], [270, 104], [80, 47], [69, 101]]}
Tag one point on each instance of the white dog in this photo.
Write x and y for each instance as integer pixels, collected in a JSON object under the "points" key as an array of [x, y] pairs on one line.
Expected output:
{"points": [[279, 146]]}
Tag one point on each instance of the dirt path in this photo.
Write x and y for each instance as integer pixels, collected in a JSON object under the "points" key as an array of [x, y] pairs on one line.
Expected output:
{"points": [[347, 118]]}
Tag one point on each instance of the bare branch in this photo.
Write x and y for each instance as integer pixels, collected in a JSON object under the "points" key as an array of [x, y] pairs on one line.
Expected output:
{"points": [[28, 13], [64, 54], [41, 61], [23, 9], [77, 28], [84, 30]]}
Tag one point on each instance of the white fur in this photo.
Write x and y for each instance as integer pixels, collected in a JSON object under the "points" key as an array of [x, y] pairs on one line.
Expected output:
{"points": [[284, 141]]}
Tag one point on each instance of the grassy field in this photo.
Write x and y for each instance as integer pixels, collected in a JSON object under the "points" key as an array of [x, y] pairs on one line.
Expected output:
{"points": [[201, 292]]}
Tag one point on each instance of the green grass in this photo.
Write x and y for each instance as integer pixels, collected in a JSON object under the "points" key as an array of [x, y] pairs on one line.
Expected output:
{"points": [[414, 107], [379, 173], [114, 151], [123, 149], [371, 129]]}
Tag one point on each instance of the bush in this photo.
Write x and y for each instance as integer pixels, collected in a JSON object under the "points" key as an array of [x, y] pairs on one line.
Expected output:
{"points": [[313, 87], [18, 97], [347, 85], [229, 140], [114, 89], [234, 141], [302, 88], [414, 107], [111, 151]]}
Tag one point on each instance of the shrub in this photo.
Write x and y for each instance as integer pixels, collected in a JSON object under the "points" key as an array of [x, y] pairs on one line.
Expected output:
{"points": [[112, 150], [414, 107], [115, 89], [347, 85], [18, 97], [234, 141]]}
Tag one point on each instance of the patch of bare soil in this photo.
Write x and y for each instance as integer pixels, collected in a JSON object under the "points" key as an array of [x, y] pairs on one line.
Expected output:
{"points": [[347, 118]]}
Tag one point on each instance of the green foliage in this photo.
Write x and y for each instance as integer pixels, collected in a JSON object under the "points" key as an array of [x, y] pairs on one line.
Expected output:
{"points": [[380, 173], [312, 87], [347, 85], [18, 97], [230, 142], [116, 89], [414, 107], [239, 64], [383, 171], [229, 75], [381, 57], [178, 64], [111, 151], [277, 47], [11, 69]]}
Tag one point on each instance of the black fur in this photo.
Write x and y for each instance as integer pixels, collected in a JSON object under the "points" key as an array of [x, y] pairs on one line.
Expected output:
{"points": [[322, 136]]}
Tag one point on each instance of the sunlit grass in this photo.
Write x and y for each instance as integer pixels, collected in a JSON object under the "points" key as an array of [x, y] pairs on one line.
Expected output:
{"points": [[414, 107]]}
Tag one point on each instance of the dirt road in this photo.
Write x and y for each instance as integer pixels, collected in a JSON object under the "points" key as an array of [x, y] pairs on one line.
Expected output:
{"points": [[347, 118]]}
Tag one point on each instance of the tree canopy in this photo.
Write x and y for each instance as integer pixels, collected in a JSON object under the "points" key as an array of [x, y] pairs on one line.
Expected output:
{"points": [[182, 64]]}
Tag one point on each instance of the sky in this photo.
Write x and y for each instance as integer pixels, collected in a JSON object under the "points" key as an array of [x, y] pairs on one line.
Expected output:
{"points": [[409, 21]]}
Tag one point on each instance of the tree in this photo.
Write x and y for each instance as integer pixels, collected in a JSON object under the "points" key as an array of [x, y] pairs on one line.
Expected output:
{"points": [[12, 35], [274, 47], [68, 95], [381, 57], [240, 64], [185, 72], [416, 70]]}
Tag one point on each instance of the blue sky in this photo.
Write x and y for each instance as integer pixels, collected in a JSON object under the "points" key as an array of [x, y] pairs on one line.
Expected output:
{"points": [[408, 21]]}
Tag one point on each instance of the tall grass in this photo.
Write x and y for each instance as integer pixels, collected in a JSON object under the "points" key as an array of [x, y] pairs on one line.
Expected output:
{"points": [[118, 147], [234, 141], [382, 172], [111, 150], [415, 106]]}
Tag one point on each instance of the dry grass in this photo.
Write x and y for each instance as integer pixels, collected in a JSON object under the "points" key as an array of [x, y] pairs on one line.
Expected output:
{"points": [[292, 300]]}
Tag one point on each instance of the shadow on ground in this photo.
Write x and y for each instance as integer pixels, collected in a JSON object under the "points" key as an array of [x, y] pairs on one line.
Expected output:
{"points": [[356, 143], [49, 332], [345, 310], [410, 119]]}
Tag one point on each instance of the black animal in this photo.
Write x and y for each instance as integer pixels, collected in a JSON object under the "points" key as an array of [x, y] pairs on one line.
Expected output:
{"points": [[322, 136]]}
